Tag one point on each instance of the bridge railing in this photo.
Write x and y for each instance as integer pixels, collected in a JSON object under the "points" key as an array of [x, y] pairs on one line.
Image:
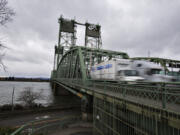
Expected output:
{"points": [[165, 95], [31, 127], [161, 95]]}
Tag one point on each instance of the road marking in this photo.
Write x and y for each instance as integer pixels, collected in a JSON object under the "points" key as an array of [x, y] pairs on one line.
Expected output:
{"points": [[46, 121], [42, 117]]}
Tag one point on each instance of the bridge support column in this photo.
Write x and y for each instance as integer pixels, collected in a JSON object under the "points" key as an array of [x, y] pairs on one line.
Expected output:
{"points": [[54, 88], [59, 90], [87, 108]]}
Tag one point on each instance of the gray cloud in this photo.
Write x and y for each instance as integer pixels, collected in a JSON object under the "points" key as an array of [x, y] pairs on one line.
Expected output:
{"points": [[135, 27], [150, 25]]}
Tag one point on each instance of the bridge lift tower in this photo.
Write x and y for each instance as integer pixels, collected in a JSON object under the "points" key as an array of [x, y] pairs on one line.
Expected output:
{"points": [[93, 36], [67, 38]]}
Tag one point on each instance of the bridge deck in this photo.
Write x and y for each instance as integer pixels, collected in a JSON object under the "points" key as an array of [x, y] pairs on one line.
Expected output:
{"points": [[143, 109], [154, 96]]}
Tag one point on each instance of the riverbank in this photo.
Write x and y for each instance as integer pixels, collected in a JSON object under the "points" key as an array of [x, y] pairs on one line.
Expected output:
{"points": [[23, 79], [25, 111], [50, 116]]}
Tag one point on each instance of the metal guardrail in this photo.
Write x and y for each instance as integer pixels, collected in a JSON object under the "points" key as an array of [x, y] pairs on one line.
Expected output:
{"points": [[132, 108], [163, 93], [31, 129]]}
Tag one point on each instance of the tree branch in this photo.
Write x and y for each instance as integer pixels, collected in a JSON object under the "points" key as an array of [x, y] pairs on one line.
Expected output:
{"points": [[6, 14]]}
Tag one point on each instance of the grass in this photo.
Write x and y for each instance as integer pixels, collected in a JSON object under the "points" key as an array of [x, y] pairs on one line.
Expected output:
{"points": [[6, 130]]}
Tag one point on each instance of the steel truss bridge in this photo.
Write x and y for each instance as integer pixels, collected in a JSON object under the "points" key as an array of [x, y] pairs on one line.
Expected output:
{"points": [[118, 108]]}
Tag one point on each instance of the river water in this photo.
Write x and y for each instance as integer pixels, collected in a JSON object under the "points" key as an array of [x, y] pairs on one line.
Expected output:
{"points": [[6, 89]]}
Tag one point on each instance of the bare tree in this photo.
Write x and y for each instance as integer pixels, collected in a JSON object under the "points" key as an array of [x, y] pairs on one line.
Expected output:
{"points": [[6, 14], [1, 56], [28, 96]]}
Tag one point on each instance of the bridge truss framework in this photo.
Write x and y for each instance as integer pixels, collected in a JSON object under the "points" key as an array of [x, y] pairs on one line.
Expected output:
{"points": [[118, 108]]}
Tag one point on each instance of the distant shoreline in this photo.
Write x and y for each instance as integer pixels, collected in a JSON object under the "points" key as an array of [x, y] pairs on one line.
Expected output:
{"points": [[24, 79]]}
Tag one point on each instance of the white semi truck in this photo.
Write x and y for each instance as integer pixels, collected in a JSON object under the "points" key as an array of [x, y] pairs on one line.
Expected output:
{"points": [[116, 70], [150, 71]]}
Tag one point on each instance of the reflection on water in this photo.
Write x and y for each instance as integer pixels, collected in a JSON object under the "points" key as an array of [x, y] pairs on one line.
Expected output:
{"points": [[6, 89]]}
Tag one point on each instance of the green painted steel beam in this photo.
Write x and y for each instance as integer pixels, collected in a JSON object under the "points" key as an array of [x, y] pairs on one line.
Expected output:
{"points": [[99, 51], [96, 52], [161, 61], [83, 68], [106, 51], [156, 59], [72, 90]]}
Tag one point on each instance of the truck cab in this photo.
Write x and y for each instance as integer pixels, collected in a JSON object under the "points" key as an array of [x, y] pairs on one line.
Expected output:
{"points": [[128, 75], [150, 71]]}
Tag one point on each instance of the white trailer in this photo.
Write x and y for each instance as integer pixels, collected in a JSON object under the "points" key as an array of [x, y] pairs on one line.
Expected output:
{"points": [[116, 70]]}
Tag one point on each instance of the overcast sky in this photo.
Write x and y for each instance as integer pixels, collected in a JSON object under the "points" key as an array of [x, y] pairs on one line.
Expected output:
{"points": [[132, 26]]}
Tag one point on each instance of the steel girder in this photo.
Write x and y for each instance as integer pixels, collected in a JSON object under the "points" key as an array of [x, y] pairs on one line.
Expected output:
{"points": [[164, 62], [76, 63]]}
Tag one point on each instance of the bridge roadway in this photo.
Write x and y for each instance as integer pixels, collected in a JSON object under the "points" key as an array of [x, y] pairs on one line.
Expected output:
{"points": [[138, 93], [141, 108]]}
